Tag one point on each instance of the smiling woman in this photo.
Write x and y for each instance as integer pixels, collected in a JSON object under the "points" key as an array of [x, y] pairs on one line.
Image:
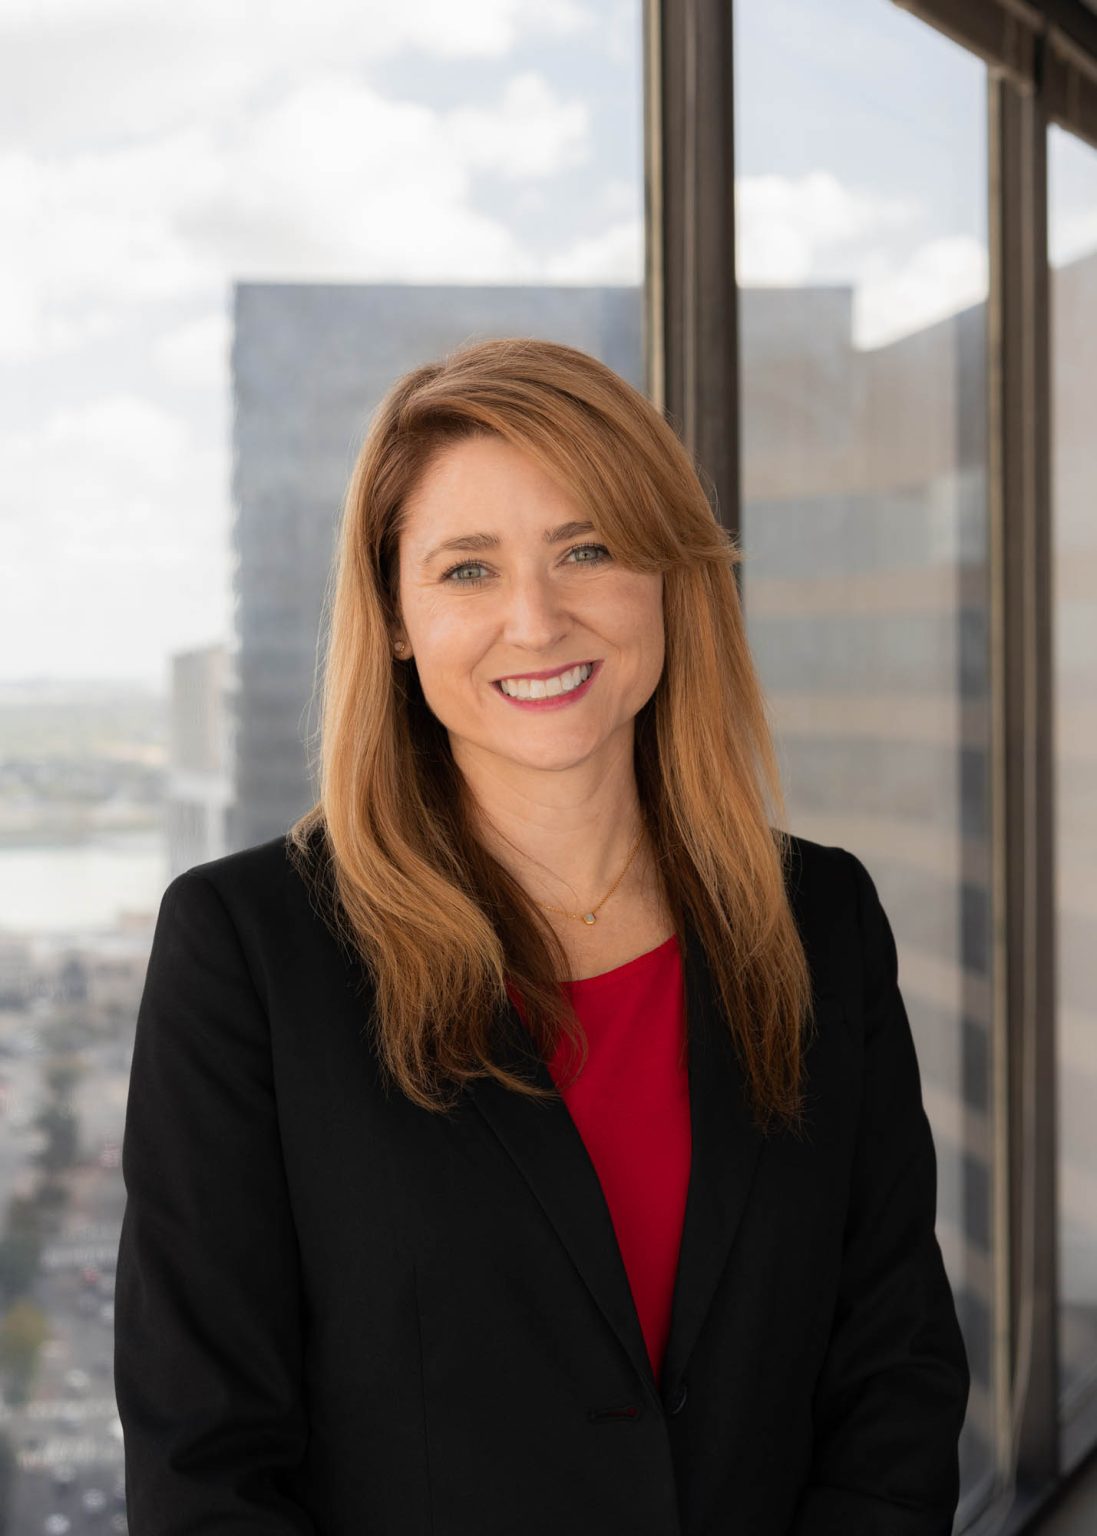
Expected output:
{"points": [[595, 1139]]}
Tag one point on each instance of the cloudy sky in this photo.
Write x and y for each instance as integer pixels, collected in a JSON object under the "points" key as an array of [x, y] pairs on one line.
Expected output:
{"points": [[151, 154]]}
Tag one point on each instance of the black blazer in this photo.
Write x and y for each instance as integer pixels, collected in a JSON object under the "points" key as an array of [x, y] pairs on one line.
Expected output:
{"points": [[342, 1315]]}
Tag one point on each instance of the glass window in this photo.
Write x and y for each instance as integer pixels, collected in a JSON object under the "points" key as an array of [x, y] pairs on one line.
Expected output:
{"points": [[225, 230], [1072, 239], [861, 206]]}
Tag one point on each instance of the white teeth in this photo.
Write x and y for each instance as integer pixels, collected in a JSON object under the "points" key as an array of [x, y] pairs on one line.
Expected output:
{"points": [[547, 689]]}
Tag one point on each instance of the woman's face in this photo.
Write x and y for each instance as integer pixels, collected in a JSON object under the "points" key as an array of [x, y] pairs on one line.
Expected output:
{"points": [[523, 605]]}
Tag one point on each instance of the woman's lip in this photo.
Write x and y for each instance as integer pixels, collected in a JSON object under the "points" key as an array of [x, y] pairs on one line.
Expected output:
{"points": [[552, 701], [533, 677]]}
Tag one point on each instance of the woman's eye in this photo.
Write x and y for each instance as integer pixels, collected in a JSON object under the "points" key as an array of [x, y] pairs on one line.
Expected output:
{"points": [[601, 553]]}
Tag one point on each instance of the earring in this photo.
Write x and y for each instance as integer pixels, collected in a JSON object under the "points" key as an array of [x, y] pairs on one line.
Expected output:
{"points": [[399, 646]]}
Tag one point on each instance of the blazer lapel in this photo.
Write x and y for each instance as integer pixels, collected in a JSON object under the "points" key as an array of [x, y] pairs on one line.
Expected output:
{"points": [[546, 1145]]}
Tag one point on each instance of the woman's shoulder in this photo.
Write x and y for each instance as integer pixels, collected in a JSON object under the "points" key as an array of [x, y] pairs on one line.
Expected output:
{"points": [[827, 886], [820, 873], [264, 885], [252, 868]]}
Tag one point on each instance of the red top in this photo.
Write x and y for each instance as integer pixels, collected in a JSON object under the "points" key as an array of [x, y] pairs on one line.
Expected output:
{"points": [[630, 1104]]}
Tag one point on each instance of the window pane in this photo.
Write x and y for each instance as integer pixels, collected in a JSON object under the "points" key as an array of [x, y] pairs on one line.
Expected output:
{"points": [[1072, 233], [862, 258], [224, 231]]}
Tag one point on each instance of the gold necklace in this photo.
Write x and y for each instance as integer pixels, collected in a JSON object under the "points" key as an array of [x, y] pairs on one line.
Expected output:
{"points": [[589, 917]]}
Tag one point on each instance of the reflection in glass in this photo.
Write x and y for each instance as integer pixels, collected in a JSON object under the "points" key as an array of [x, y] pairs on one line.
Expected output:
{"points": [[862, 258], [1072, 239]]}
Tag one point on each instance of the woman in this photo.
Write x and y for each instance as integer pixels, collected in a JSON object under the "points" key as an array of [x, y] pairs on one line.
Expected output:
{"points": [[532, 1140]]}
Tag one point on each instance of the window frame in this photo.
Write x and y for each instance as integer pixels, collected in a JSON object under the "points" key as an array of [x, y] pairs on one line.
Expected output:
{"points": [[1042, 69]]}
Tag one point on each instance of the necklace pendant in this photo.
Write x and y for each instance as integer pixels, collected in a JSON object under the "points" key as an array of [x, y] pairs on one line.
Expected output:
{"points": [[588, 918]]}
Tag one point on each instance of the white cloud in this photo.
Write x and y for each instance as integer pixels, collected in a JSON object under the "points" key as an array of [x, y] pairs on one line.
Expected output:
{"points": [[85, 476], [70, 69], [934, 280], [110, 523], [530, 134], [85, 236], [793, 232], [196, 354], [330, 181], [624, 196], [619, 29], [616, 255]]}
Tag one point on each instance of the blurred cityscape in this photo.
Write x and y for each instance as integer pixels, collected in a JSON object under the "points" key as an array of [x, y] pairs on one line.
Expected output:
{"points": [[81, 801]]}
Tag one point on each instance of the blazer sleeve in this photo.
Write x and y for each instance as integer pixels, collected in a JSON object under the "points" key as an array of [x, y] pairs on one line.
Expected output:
{"points": [[207, 1334], [892, 1392]]}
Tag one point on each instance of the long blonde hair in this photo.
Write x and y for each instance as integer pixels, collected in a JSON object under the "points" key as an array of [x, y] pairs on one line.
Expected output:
{"points": [[440, 925]]}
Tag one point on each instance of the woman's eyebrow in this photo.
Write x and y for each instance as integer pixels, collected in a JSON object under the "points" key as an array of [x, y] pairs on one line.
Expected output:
{"points": [[479, 541]]}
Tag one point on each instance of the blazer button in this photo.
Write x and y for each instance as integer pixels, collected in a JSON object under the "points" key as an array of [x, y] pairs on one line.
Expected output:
{"points": [[677, 1401]]}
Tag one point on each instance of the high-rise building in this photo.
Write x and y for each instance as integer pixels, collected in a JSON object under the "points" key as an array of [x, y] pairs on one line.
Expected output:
{"points": [[199, 777]]}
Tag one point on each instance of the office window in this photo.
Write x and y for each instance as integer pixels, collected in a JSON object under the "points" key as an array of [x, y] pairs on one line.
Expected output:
{"points": [[1072, 240], [861, 207], [224, 232]]}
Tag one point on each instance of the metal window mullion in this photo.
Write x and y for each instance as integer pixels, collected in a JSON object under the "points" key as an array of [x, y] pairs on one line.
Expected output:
{"points": [[693, 308], [1070, 85], [654, 211], [1021, 519]]}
